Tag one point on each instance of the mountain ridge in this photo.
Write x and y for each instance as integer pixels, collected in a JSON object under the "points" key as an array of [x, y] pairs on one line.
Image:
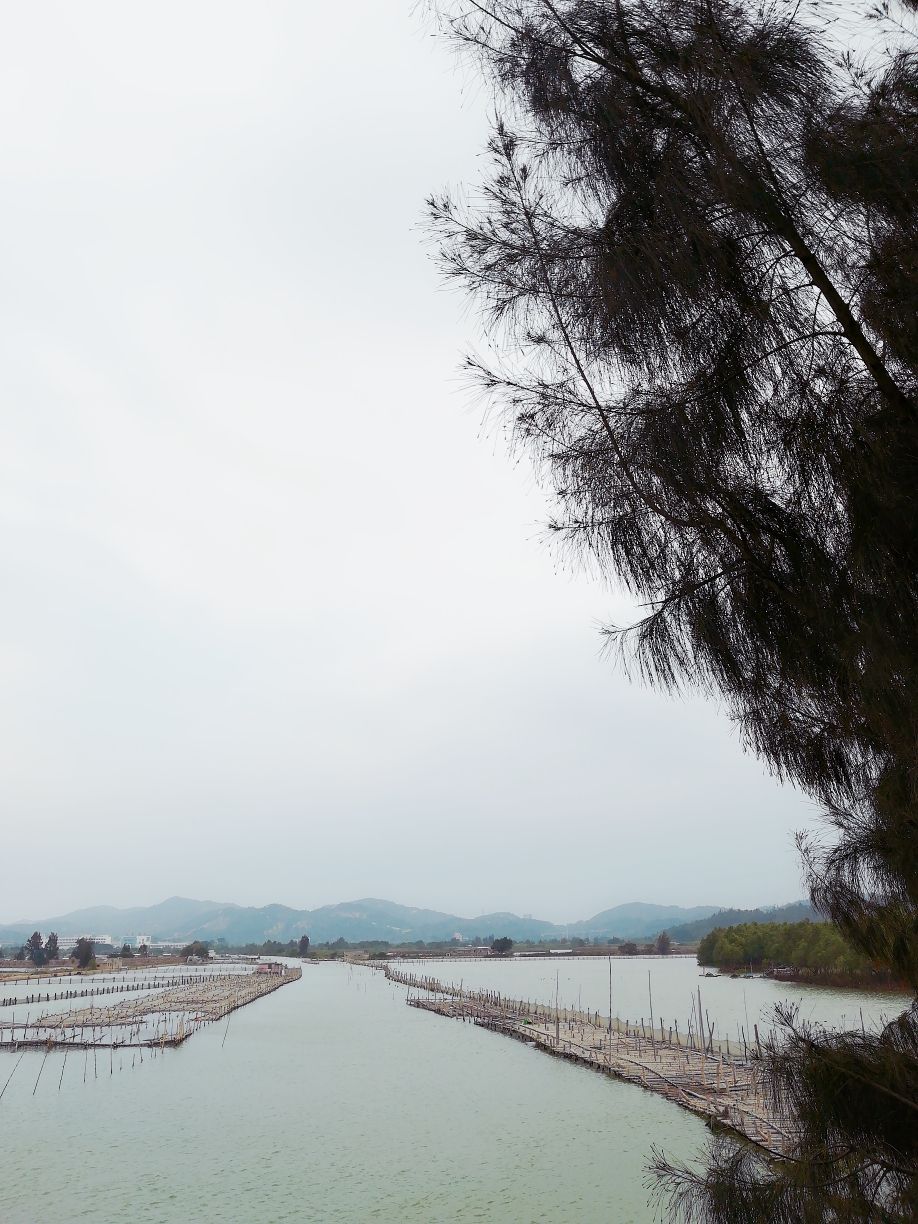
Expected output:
{"points": [[794, 911], [366, 918]]}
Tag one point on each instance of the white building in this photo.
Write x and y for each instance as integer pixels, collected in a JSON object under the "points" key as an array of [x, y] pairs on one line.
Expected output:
{"points": [[67, 943]]}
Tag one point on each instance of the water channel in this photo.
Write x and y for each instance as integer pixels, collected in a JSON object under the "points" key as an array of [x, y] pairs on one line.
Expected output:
{"points": [[330, 1100]]}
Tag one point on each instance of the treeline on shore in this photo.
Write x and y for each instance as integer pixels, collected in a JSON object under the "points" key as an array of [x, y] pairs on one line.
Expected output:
{"points": [[802, 951], [662, 945], [495, 946], [37, 951]]}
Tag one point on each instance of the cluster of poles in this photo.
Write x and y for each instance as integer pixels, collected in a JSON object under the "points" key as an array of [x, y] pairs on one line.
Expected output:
{"points": [[692, 1067], [170, 1011], [697, 1033], [115, 987]]}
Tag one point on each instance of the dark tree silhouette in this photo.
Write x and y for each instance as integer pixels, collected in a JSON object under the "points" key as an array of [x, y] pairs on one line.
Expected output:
{"points": [[196, 948], [664, 944], [84, 953], [52, 950], [34, 949], [696, 256], [502, 946], [303, 945]]}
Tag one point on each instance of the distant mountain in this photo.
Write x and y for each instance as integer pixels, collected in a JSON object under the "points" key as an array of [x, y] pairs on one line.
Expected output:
{"points": [[405, 924], [636, 920], [171, 915], [370, 918], [796, 911], [174, 912]]}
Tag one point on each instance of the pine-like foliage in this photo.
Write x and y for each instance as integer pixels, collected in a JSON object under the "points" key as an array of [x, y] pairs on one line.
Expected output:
{"points": [[697, 250], [809, 950]]}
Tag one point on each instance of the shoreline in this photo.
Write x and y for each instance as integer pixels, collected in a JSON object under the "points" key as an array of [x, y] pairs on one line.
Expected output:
{"points": [[814, 977]]}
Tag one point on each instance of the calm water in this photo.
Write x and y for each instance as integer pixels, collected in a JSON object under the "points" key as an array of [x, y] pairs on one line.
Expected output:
{"points": [[333, 1101], [330, 1101], [674, 982]]}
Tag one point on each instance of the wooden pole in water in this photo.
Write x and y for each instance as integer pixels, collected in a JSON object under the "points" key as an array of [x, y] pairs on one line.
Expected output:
{"points": [[557, 1013], [10, 1076], [41, 1068], [610, 1001], [700, 1021]]}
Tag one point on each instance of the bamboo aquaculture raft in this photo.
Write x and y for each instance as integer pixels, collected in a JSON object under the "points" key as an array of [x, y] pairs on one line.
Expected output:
{"points": [[166, 1015], [723, 1085]]}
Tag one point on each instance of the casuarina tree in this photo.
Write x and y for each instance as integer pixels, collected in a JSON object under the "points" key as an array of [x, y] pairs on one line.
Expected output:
{"points": [[696, 255]]}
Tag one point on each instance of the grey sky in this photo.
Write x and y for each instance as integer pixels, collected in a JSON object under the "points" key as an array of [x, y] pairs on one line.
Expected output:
{"points": [[278, 621]]}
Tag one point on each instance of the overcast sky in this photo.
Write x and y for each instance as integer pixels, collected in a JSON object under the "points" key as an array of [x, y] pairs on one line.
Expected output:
{"points": [[278, 621]]}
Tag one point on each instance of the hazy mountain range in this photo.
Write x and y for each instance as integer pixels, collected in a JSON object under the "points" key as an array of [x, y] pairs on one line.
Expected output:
{"points": [[184, 918]]}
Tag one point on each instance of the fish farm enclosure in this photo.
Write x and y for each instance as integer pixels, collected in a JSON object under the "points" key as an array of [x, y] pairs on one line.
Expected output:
{"points": [[147, 1007]]}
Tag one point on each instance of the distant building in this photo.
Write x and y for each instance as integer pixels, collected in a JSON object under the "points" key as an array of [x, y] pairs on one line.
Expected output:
{"points": [[66, 943], [143, 941]]}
